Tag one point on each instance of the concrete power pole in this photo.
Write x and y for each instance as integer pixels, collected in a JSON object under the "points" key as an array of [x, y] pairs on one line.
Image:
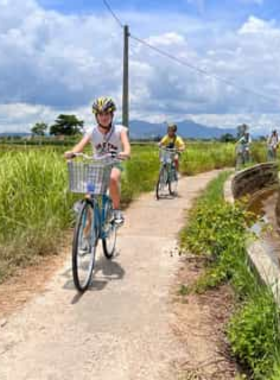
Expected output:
{"points": [[125, 100]]}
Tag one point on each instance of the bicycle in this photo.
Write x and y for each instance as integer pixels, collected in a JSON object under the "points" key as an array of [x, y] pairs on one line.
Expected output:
{"points": [[242, 156], [95, 219], [272, 152], [168, 176]]}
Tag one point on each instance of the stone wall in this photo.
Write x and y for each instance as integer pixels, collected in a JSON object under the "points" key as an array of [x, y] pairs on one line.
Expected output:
{"points": [[255, 178], [258, 177]]}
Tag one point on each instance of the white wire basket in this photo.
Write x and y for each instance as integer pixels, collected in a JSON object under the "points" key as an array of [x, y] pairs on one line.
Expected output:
{"points": [[166, 155], [93, 178]]}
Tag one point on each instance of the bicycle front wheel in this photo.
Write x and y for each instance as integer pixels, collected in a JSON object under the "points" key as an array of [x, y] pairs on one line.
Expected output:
{"points": [[162, 183], [173, 181], [238, 162], [109, 232], [84, 247]]}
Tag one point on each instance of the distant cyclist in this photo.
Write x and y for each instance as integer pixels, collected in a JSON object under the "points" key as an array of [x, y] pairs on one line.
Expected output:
{"points": [[172, 141], [272, 145], [243, 147], [107, 137]]}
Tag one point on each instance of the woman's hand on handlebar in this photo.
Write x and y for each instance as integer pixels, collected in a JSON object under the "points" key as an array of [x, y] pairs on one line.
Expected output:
{"points": [[68, 155], [123, 156]]}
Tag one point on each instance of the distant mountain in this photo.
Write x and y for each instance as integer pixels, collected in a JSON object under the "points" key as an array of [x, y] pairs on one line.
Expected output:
{"points": [[187, 129], [13, 134], [144, 130]]}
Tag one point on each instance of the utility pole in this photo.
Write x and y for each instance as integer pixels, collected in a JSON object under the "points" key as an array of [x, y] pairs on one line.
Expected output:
{"points": [[125, 100]]}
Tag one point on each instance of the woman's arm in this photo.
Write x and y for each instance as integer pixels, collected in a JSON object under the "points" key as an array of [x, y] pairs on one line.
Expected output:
{"points": [[181, 146], [79, 147], [125, 143], [162, 142]]}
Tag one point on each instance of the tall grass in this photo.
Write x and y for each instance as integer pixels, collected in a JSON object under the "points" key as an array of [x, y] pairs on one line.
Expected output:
{"points": [[140, 173], [200, 157], [35, 206]]}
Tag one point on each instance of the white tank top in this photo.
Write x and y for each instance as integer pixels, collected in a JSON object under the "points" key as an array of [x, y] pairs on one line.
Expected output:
{"points": [[104, 143]]}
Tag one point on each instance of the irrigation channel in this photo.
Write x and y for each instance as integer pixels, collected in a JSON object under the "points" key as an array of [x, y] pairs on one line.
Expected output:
{"points": [[265, 204]]}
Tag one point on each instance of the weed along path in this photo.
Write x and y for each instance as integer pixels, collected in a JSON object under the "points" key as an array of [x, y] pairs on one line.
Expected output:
{"points": [[121, 328]]}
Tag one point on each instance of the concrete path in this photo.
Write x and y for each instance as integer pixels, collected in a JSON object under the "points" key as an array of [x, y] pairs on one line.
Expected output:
{"points": [[121, 329]]}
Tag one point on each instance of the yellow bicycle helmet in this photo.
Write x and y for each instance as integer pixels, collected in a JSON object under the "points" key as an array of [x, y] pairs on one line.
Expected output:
{"points": [[103, 104], [172, 127]]}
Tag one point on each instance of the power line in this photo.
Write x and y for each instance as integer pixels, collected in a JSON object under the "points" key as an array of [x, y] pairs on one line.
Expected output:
{"points": [[113, 13], [188, 64], [199, 70]]}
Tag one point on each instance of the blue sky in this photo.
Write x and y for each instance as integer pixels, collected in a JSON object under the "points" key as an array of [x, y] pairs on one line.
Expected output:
{"points": [[233, 11], [205, 8], [57, 56]]}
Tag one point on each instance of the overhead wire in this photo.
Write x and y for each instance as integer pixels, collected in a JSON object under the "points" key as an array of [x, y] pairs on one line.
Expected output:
{"points": [[200, 70], [189, 64], [107, 5]]}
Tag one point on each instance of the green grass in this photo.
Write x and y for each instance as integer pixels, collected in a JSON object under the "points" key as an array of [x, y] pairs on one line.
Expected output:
{"points": [[35, 207], [218, 231], [200, 157]]}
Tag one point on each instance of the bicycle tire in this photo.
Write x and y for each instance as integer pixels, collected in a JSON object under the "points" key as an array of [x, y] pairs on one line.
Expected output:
{"points": [[238, 162], [86, 267], [162, 181], [172, 181], [110, 229]]}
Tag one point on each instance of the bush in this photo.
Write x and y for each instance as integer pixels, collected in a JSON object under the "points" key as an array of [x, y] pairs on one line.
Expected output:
{"points": [[219, 231], [254, 334]]}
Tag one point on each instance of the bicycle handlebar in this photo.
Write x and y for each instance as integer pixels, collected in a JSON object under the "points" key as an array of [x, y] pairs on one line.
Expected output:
{"points": [[171, 150], [112, 155]]}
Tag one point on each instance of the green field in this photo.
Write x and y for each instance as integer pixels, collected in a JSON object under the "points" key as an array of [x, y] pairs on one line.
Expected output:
{"points": [[35, 206]]}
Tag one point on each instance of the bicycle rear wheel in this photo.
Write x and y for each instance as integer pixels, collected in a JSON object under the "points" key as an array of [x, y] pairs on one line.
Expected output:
{"points": [[84, 247], [109, 231], [162, 183]]}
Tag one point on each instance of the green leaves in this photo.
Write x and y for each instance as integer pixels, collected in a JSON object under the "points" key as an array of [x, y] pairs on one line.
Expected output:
{"points": [[254, 334], [67, 125], [219, 231]]}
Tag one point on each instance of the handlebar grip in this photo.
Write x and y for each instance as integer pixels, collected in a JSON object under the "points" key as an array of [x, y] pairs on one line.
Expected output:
{"points": [[71, 155]]}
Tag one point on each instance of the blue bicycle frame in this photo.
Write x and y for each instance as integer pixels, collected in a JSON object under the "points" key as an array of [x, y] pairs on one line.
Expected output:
{"points": [[100, 207]]}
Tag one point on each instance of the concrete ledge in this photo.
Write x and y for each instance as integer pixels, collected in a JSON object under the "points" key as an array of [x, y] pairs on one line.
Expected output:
{"points": [[258, 254], [268, 271], [255, 178]]}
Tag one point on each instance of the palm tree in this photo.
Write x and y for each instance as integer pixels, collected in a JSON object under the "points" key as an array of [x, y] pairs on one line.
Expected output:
{"points": [[67, 125]]}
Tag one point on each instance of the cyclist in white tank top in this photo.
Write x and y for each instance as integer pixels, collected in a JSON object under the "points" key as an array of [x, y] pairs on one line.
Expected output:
{"points": [[106, 137], [105, 143]]}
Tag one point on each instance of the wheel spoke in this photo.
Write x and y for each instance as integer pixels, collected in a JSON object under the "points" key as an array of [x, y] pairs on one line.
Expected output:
{"points": [[84, 247]]}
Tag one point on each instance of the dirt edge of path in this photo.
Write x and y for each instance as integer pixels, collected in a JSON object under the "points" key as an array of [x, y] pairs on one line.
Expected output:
{"points": [[27, 282], [200, 324]]}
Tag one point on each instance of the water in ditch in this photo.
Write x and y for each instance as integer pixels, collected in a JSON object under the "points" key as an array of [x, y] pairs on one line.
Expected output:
{"points": [[264, 204]]}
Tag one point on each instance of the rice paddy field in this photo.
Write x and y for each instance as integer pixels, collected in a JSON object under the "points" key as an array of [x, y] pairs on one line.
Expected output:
{"points": [[36, 207]]}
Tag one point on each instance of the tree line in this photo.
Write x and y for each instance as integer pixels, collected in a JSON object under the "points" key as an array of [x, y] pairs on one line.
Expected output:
{"points": [[70, 125], [67, 125]]}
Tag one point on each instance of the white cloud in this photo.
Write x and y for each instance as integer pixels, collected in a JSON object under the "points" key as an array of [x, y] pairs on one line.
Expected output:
{"points": [[57, 60], [258, 26], [167, 39], [52, 63]]}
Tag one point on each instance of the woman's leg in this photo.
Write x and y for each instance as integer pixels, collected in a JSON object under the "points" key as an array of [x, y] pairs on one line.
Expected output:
{"points": [[115, 194], [115, 187]]}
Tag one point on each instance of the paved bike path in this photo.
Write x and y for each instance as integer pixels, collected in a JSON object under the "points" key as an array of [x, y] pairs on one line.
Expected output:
{"points": [[121, 329]]}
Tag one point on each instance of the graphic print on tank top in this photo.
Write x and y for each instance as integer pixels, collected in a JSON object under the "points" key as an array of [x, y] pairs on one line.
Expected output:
{"points": [[111, 141], [106, 146]]}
